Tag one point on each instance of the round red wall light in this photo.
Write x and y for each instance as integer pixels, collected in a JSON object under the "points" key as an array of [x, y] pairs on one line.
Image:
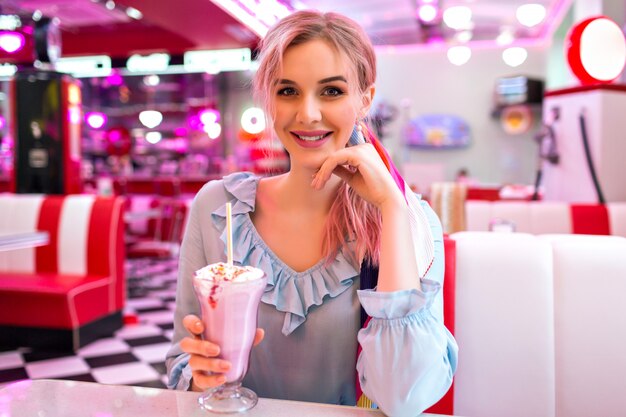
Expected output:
{"points": [[596, 50]]}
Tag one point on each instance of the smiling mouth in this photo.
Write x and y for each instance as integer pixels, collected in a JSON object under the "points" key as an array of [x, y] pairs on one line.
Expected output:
{"points": [[311, 138]]}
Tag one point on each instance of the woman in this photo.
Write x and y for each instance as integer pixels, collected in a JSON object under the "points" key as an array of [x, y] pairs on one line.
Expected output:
{"points": [[319, 232]]}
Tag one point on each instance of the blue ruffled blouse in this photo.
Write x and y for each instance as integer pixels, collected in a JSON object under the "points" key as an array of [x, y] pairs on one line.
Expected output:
{"points": [[312, 318]]}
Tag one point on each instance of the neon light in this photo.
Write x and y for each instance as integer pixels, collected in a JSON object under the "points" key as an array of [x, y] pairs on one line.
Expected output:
{"points": [[219, 60], [253, 120], [149, 63], [597, 50], [10, 22], [459, 55], [256, 15], [12, 41], [86, 66], [150, 118], [7, 70], [153, 137]]}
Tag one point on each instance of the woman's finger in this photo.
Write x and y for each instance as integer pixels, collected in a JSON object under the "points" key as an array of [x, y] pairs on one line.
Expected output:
{"points": [[259, 336], [214, 365], [205, 381], [193, 324], [195, 346]]}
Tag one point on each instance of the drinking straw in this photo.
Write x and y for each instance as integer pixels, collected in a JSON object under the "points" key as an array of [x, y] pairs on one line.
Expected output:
{"points": [[229, 233]]}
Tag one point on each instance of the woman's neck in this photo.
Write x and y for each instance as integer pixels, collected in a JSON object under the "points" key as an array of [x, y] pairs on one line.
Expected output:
{"points": [[293, 191]]}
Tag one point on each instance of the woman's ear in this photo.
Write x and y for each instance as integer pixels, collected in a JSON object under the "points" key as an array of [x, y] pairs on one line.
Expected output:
{"points": [[368, 99]]}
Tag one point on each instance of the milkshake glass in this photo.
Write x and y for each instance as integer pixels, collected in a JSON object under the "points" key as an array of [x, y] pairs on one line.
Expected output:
{"points": [[229, 297]]}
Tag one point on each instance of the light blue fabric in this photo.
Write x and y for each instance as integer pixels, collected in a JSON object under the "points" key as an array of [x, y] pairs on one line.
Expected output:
{"points": [[311, 318], [289, 291]]}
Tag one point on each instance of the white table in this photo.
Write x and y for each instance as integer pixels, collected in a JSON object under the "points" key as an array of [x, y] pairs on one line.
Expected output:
{"points": [[12, 241], [56, 398]]}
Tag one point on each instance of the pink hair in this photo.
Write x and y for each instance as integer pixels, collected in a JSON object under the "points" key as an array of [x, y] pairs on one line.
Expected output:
{"points": [[350, 217]]}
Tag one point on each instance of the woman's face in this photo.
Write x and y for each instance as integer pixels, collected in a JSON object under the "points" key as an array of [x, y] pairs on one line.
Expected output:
{"points": [[314, 111]]}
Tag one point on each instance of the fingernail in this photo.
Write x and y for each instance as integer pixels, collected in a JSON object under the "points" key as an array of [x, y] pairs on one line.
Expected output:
{"points": [[221, 379], [198, 324], [213, 351], [224, 366]]}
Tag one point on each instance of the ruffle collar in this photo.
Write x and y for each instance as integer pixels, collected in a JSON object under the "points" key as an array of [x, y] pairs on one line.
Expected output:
{"points": [[291, 292]]}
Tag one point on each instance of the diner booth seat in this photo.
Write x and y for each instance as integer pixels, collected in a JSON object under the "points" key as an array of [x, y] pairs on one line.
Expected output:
{"points": [[540, 324], [71, 291], [544, 217], [504, 326], [590, 324]]}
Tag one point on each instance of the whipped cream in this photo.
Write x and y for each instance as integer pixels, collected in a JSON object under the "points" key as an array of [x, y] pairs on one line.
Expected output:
{"points": [[223, 272]]}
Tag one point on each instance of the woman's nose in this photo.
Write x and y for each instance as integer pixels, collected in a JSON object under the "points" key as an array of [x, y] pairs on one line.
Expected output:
{"points": [[309, 111]]}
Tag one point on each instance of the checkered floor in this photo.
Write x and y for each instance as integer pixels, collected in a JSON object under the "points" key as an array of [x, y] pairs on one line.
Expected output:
{"points": [[133, 356]]}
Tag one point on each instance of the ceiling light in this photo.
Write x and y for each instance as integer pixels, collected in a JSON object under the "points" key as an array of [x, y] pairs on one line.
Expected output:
{"points": [[505, 37], [459, 55], [427, 13], [150, 118], [530, 14], [213, 130], [458, 17], [96, 120], [153, 137], [463, 36], [134, 13], [37, 15], [514, 56], [209, 116], [110, 4]]}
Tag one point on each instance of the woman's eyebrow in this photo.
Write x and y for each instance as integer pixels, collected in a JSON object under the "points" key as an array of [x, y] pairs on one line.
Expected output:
{"points": [[331, 79]]}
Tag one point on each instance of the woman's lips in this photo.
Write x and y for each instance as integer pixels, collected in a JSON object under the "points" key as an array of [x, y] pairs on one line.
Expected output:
{"points": [[311, 143]]}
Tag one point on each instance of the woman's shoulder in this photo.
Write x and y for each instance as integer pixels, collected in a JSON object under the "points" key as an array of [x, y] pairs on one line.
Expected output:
{"points": [[240, 185]]}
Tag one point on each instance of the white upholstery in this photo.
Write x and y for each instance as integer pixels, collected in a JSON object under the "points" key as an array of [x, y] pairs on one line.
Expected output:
{"points": [[504, 326], [550, 217], [516, 212], [617, 218], [477, 215], [590, 316]]}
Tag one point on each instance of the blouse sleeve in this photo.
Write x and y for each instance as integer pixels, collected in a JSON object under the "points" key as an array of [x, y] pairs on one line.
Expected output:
{"points": [[199, 247], [408, 357]]}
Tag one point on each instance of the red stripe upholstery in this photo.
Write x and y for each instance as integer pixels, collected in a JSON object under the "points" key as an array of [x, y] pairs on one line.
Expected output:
{"points": [[50, 299], [446, 404], [590, 219], [46, 257]]}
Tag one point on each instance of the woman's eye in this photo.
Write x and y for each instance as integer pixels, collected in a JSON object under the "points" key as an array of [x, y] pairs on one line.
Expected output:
{"points": [[287, 91], [333, 92]]}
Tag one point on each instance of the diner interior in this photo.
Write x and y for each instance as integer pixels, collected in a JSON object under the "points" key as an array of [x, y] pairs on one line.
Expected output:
{"points": [[505, 115]]}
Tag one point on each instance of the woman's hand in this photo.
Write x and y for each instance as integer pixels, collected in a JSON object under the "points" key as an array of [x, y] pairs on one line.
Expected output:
{"points": [[207, 369], [363, 169]]}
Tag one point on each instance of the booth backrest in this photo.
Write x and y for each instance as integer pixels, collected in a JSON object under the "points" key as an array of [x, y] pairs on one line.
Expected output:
{"points": [[86, 236], [590, 330], [541, 325], [504, 326], [549, 217]]}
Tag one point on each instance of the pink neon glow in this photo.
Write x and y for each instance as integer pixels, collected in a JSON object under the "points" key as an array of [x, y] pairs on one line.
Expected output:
{"points": [[115, 79], [74, 115], [427, 13], [96, 120], [180, 131], [3, 122], [12, 41]]}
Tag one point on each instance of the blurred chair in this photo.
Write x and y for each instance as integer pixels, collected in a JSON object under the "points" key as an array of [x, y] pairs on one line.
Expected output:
{"points": [[448, 201], [72, 291]]}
